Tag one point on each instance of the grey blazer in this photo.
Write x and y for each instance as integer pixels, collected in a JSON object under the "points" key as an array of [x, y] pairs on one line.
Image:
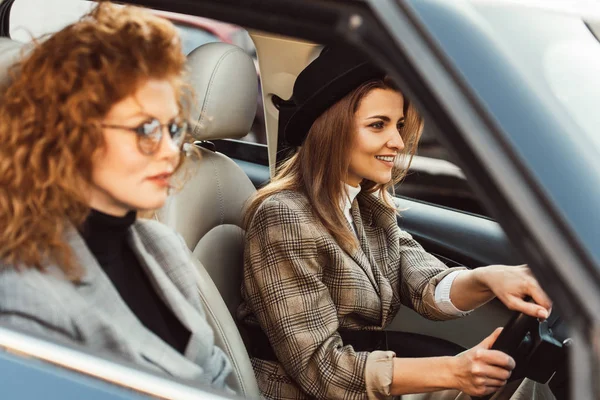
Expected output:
{"points": [[93, 314]]}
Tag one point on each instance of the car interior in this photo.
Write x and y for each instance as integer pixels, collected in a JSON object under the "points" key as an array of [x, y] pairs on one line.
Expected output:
{"points": [[207, 209], [216, 239]]}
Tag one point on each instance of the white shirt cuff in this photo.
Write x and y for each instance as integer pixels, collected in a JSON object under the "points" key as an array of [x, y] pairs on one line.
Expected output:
{"points": [[442, 296]]}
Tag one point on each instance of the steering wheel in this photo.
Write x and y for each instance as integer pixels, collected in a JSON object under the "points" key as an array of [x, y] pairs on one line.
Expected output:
{"points": [[514, 332], [510, 339]]}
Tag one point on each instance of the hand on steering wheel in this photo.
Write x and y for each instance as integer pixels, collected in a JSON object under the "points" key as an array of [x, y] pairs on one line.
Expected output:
{"points": [[515, 286], [482, 370], [510, 339]]}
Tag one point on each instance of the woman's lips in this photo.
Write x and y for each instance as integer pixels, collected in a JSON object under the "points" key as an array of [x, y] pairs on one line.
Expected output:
{"points": [[389, 164], [163, 180]]}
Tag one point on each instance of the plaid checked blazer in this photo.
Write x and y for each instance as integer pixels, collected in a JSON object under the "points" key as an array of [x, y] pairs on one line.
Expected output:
{"points": [[91, 313], [301, 287]]}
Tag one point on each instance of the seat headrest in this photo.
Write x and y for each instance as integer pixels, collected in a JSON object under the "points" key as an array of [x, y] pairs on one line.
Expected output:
{"points": [[224, 79], [10, 51]]}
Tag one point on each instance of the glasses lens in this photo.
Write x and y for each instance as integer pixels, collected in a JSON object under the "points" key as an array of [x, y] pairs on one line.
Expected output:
{"points": [[148, 128], [177, 131], [149, 136]]}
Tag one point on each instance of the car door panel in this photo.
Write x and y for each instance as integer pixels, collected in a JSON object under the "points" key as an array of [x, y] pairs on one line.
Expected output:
{"points": [[465, 238], [456, 238], [466, 331]]}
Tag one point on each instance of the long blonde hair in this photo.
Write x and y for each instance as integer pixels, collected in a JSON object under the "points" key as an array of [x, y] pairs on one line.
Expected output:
{"points": [[320, 166], [51, 117]]}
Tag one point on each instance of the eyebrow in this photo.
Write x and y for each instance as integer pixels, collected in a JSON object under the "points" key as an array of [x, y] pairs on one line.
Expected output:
{"points": [[145, 114], [384, 118]]}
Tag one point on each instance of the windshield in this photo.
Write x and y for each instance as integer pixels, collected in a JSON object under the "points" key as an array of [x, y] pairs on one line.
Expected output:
{"points": [[29, 18], [560, 55], [534, 70], [572, 70]]}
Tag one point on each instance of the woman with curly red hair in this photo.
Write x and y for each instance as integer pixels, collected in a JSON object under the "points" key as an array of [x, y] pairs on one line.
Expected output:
{"points": [[92, 130]]}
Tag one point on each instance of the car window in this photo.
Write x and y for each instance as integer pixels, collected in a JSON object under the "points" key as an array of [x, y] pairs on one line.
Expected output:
{"points": [[192, 37], [69, 370], [29, 18], [574, 83], [435, 179], [194, 33], [560, 58]]}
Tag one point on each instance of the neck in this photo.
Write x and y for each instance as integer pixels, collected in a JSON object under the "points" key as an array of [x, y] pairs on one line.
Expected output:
{"points": [[114, 210], [100, 200], [355, 183], [100, 221], [350, 193], [106, 234]]}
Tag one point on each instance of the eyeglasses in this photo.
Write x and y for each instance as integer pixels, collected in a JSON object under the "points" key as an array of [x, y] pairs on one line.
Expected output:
{"points": [[150, 133]]}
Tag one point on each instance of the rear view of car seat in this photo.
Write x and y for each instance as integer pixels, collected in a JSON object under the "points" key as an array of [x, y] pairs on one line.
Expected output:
{"points": [[207, 209]]}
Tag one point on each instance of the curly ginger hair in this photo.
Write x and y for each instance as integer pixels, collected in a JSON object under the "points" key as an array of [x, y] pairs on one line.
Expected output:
{"points": [[50, 123]]}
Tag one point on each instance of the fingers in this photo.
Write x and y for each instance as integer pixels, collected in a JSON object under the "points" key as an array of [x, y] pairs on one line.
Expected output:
{"points": [[494, 358], [482, 387], [535, 291], [495, 383], [517, 283], [480, 371], [531, 309], [485, 382], [482, 390], [541, 298], [489, 341], [489, 371], [493, 373]]}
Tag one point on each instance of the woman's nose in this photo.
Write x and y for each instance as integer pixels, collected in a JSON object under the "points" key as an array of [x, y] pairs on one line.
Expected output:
{"points": [[167, 146], [395, 142]]}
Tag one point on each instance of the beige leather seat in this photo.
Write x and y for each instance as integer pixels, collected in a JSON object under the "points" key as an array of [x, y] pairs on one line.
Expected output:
{"points": [[207, 210]]}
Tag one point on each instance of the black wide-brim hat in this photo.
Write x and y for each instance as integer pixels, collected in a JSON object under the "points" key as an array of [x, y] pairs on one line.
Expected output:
{"points": [[325, 81]]}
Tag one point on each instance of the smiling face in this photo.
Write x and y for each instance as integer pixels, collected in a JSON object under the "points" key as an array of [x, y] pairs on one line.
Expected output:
{"points": [[377, 140], [124, 178]]}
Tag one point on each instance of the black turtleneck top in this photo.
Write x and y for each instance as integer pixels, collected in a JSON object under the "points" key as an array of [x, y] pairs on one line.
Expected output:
{"points": [[106, 237]]}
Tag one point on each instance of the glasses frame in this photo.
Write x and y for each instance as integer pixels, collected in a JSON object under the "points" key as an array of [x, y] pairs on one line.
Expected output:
{"points": [[154, 137]]}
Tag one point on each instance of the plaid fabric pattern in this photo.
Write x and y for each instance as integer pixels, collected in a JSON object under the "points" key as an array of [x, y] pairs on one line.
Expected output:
{"points": [[301, 287]]}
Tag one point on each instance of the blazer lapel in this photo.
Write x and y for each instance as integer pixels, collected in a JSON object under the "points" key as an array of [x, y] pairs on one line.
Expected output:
{"points": [[201, 340], [362, 255], [102, 299], [373, 239]]}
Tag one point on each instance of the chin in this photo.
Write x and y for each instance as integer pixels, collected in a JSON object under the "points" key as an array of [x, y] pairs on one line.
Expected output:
{"points": [[381, 180], [150, 203]]}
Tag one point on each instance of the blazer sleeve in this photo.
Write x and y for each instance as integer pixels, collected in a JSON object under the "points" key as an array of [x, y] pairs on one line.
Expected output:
{"points": [[420, 274], [37, 327], [294, 308]]}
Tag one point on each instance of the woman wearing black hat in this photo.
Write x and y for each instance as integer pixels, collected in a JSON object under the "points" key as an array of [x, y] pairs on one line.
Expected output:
{"points": [[327, 268]]}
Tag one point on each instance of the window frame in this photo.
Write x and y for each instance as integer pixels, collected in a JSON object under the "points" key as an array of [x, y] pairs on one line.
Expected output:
{"points": [[107, 370]]}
